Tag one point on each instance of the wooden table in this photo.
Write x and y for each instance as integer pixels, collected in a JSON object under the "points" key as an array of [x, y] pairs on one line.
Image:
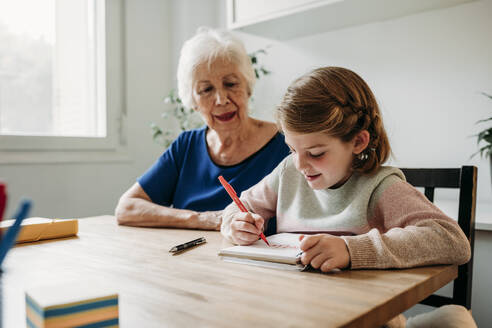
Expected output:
{"points": [[196, 288]]}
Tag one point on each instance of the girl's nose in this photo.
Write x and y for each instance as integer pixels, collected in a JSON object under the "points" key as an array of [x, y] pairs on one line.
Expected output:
{"points": [[300, 162]]}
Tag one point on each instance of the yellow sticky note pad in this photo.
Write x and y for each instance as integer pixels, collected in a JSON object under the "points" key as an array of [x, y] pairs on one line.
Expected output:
{"points": [[77, 304], [34, 229]]}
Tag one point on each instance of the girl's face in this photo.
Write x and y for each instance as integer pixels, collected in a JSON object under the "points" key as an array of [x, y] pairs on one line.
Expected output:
{"points": [[324, 161], [221, 95]]}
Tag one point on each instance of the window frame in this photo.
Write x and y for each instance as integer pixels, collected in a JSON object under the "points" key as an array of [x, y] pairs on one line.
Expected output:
{"points": [[22, 149]]}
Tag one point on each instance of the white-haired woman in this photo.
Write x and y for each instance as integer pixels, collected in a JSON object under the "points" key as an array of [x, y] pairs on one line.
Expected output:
{"points": [[181, 189]]}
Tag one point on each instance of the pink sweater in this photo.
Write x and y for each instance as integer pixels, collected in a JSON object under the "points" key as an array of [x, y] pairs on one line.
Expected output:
{"points": [[385, 222]]}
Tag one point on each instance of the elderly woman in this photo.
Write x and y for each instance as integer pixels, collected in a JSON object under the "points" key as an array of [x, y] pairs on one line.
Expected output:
{"points": [[181, 189]]}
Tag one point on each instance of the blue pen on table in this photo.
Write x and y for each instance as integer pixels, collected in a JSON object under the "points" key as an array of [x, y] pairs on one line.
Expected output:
{"points": [[11, 235], [187, 245]]}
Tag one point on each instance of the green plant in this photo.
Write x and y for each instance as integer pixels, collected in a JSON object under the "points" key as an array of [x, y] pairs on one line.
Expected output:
{"points": [[186, 117], [485, 136]]}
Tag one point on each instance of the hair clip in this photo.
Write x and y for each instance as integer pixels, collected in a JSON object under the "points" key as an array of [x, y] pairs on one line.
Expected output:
{"points": [[362, 156]]}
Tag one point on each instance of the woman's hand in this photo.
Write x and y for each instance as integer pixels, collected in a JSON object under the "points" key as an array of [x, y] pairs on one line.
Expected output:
{"points": [[245, 228], [324, 252], [209, 220]]}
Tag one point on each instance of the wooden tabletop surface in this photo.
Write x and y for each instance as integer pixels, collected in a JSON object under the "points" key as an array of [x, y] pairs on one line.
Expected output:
{"points": [[198, 289]]}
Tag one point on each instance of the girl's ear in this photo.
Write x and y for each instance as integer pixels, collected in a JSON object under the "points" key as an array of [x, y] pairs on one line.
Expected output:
{"points": [[361, 140]]}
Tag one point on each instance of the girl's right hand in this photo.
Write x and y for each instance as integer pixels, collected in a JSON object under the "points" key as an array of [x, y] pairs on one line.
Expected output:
{"points": [[246, 228]]}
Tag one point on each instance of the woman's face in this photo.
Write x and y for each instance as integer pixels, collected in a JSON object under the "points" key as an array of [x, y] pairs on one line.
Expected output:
{"points": [[221, 95]]}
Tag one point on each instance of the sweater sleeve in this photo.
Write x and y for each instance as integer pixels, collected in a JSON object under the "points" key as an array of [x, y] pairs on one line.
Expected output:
{"points": [[406, 230], [260, 199]]}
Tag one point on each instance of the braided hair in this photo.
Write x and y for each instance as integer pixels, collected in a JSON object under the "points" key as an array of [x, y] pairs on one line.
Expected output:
{"points": [[338, 102]]}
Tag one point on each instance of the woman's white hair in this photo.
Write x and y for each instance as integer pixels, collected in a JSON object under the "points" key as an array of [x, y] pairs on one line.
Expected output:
{"points": [[206, 46]]}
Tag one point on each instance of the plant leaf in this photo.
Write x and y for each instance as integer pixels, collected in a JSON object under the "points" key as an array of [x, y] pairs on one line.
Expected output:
{"points": [[487, 95], [480, 136], [484, 120], [488, 138], [485, 149]]}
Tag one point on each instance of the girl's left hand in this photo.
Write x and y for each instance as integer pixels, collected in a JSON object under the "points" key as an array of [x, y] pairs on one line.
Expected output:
{"points": [[324, 252]]}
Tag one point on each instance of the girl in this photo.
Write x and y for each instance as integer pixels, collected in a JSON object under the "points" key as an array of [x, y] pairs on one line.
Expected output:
{"points": [[359, 214]]}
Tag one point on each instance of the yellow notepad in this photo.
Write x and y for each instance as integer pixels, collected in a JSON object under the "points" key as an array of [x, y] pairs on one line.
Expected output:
{"points": [[34, 229]]}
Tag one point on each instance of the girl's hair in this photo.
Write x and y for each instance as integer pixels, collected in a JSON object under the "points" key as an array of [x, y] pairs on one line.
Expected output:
{"points": [[338, 102], [206, 46]]}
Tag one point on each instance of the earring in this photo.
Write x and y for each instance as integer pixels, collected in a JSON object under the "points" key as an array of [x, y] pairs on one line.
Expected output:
{"points": [[362, 156]]}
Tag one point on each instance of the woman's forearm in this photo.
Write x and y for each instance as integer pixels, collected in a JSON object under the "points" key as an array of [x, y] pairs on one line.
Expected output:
{"points": [[143, 213]]}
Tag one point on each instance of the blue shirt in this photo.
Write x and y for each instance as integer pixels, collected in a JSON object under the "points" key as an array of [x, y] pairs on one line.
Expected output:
{"points": [[186, 177]]}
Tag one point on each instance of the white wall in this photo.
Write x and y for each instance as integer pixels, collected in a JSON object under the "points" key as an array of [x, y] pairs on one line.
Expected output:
{"points": [[79, 190], [427, 71], [187, 16]]}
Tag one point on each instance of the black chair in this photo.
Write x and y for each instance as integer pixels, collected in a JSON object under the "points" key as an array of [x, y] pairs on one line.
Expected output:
{"points": [[464, 179]]}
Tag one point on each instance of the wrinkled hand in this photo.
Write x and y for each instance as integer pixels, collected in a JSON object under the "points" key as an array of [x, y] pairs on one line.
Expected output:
{"points": [[209, 220], [324, 252], [246, 228]]}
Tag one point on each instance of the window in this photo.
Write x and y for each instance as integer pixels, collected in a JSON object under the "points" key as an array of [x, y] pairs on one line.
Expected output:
{"points": [[53, 88]]}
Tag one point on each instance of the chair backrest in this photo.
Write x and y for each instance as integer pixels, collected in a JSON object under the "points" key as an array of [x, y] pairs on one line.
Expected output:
{"points": [[464, 179]]}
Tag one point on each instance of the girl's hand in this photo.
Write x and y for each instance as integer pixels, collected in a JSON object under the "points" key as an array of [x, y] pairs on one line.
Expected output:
{"points": [[246, 228], [324, 252]]}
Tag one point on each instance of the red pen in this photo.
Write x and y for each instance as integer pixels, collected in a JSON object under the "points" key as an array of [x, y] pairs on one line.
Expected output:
{"points": [[236, 200]]}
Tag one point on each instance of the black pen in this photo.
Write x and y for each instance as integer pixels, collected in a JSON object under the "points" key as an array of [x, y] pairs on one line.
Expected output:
{"points": [[189, 244]]}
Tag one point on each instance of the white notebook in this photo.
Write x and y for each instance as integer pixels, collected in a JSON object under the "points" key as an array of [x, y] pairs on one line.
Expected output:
{"points": [[283, 252]]}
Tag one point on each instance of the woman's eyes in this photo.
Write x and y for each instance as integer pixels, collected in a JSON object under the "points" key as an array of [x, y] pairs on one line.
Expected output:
{"points": [[205, 90], [210, 88], [230, 84]]}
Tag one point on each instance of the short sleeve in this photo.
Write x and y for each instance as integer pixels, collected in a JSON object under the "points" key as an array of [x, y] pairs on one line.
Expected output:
{"points": [[159, 181]]}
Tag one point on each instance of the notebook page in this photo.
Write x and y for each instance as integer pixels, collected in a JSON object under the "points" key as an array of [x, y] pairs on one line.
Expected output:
{"points": [[284, 248]]}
